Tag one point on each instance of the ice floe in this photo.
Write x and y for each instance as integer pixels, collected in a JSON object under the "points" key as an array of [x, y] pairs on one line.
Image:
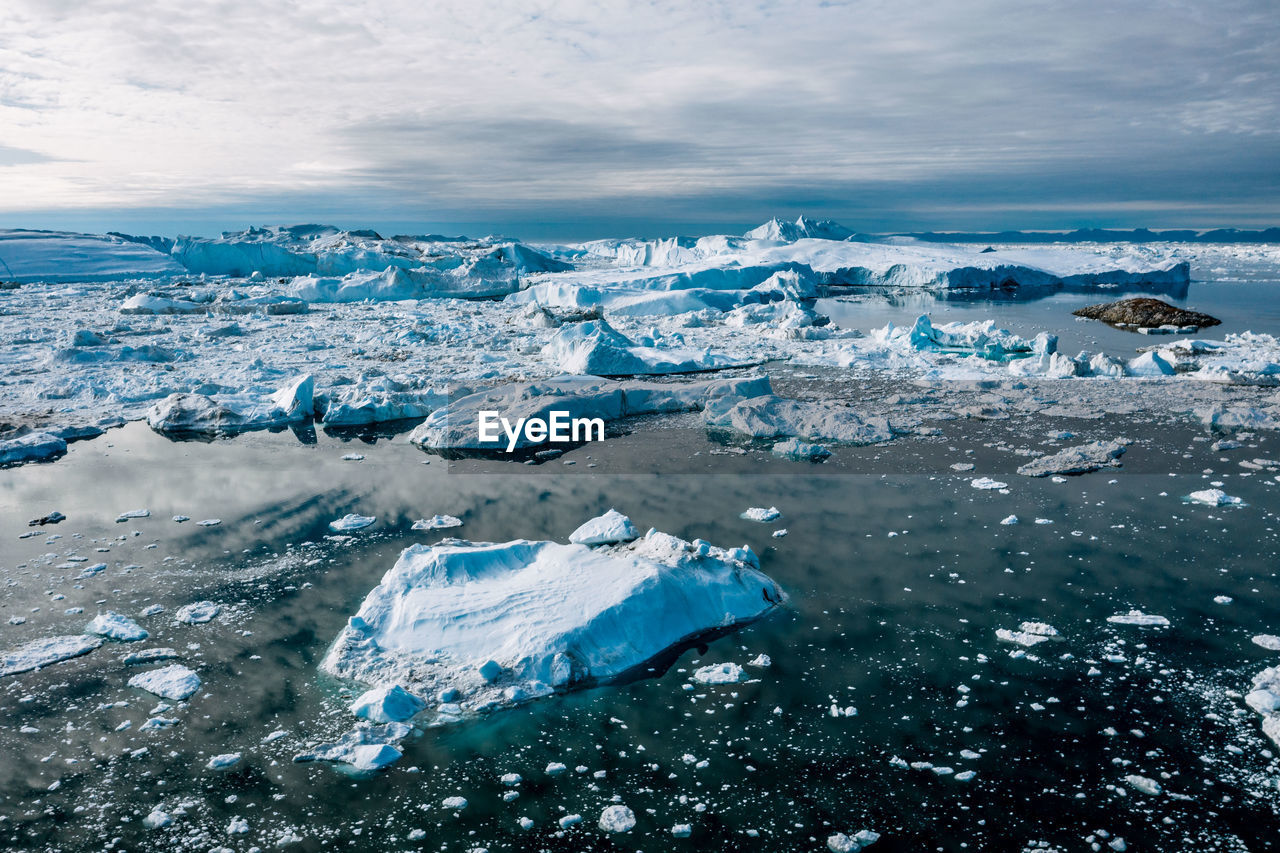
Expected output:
{"points": [[113, 626], [500, 624], [1213, 497], [366, 747], [1140, 619], [617, 818], [760, 513], [768, 416], [45, 652], [352, 521], [175, 682], [197, 613], [31, 447], [437, 522], [1078, 460]]}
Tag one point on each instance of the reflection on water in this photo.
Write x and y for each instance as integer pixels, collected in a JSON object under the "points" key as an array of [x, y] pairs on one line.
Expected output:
{"points": [[897, 581]]}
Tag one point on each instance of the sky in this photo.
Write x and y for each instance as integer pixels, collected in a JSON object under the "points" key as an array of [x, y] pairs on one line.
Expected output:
{"points": [[557, 120]]}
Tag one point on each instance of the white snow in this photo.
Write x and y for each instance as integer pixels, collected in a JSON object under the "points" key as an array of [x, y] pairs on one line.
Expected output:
{"points": [[113, 626], [175, 682], [607, 529], [546, 616]]}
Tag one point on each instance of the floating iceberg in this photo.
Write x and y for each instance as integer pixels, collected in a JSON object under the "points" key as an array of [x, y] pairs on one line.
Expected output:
{"points": [[366, 747], [174, 682], [113, 626], [391, 704], [608, 529], [493, 625], [31, 447], [1078, 460], [378, 401], [232, 413], [457, 426], [596, 348], [768, 416], [50, 650], [59, 256]]}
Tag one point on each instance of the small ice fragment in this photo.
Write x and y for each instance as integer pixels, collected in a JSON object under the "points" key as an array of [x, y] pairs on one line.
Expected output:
{"points": [[511, 779], [1143, 785], [352, 457], [570, 820], [197, 613], [761, 514], [181, 518], [719, 673], [209, 522], [607, 529], [761, 660], [133, 513], [455, 803], [351, 521], [1137, 617], [525, 823], [437, 522], [1009, 519], [1222, 599], [224, 762], [682, 830], [156, 819], [113, 626], [174, 682], [555, 768], [1213, 497], [986, 483]]}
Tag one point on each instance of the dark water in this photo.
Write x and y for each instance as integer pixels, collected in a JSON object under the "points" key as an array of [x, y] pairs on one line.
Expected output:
{"points": [[898, 573]]}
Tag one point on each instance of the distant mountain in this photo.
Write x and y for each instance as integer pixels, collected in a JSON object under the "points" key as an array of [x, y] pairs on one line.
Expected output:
{"points": [[1100, 235]]}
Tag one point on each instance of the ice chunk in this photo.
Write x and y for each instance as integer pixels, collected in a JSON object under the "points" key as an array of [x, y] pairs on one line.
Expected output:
{"points": [[769, 416], [232, 413], [550, 616], [596, 348], [1138, 618], [1148, 364], [719, 673], [387, 704], [981, 338], [156, 819], [1213, 497], [763, 514], [801, 451], [1028, 634], [352, 521], [198, 612], [456, 803], [841, 843], [113, 626], [47, 651], [1078, 460], [607, 529], [617, 818], [1268, 641], [437, 522], [457, 425], [174, 682], [1143, 785], [988, 484], [366, 747], [31, 447], [224, 761]]}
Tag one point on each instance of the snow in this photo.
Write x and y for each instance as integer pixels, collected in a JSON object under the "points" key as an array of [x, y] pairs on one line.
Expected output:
{"points": [[47, 651], [596, 348], [113, 626], [607, 529], [457, 425], [762, 514], [387, 704], [549, 617], [617, 818], [175, 682], [1078, 460], [352, 521], [59, 256], [197, 613]]}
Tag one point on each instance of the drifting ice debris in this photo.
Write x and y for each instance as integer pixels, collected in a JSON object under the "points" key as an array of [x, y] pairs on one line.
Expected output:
{"points": [[759, 513], [1148, 364], [617, 819], [113, 626], [31, 447], [1145, 313], [52, 518], [1009, 519], [437, 522], [148, 656], [197, 613], [457, 426], [1213, 497], [988, 484], [391, 704], [174, 682], [379, 400], [597, 349], [50, 650], [981, 338], [1143, 785], [133, 513], [548, 617], [1269, 642], [1028, 634], [841, 843], [607, 529], [800, 451], [227, 302], [156, 819], [771, 417], [232, 413], [1078, 460], [456, 803], [720, 673], [224, 762], [365, 747], [352, 521], [1137, 617]]}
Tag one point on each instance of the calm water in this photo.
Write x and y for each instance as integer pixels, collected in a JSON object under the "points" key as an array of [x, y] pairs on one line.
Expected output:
{"points": [[899, 574]]}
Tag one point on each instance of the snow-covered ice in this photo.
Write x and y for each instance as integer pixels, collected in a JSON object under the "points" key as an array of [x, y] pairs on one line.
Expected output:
{"points": [[197, 613], [175, 682], [437, 522], [1077, 460]]}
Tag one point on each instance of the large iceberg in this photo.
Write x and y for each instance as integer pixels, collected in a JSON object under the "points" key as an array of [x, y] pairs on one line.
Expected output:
{"points": [[57, 256], [495, 624]]}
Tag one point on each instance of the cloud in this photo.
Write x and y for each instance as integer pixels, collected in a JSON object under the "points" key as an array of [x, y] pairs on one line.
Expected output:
{"points": [[518, 112]]}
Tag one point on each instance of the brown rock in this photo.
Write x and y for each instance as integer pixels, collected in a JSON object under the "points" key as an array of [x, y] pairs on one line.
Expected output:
{"points": [[1145, 313]]}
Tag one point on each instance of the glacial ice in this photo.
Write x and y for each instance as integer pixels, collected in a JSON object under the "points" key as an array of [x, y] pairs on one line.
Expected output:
{"points": [[60, 256], [1214, 497], [45, 652], [31, 447], [547, 617], [366, 747], [223, 414], [113, 626], [617, 818], [391, 704], [608, 529], [437, 522], [1077, 460], [768, 416], [596, 348], [174, 682], [456, 426]]}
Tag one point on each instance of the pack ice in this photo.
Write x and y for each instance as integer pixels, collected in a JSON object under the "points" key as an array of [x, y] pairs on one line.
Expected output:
{"points": [[480, 626]]}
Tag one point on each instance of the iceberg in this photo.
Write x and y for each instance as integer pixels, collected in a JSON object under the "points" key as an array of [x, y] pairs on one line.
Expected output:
{"points": [[31, 447], [493, 625], [113, 626], [391, 704], [456, 426], [771, 417], [174, 682], [608, 529], [61, 256], [1078, 460], [378, 401], [232, 413], [366, 747], [596, 348]]}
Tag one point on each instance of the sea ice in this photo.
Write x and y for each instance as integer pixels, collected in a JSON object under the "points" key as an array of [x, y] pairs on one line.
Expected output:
{"points": [[1028, 634], [1213, 497], [547, 616], [759, 513], [437, 522], [31, 447], [198, 612], [174, 682], [617, 818], [800, 451], [1140, 619], [607, 529], [60, 256], [113, 626], [352, 521], [232, 413], [720, 673], [224, 761], [46, 651], [365, 747], [988, 484], [596, 348], [771, 417], [1078, 460]]}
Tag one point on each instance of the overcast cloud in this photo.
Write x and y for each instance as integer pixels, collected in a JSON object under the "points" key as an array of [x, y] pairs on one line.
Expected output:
{"points": [[583, 118]]}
